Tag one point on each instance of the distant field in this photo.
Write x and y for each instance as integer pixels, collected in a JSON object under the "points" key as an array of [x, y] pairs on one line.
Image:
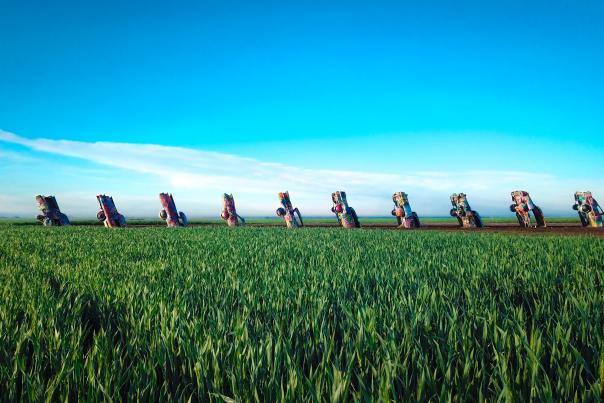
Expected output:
{"points": [[313, 314]]}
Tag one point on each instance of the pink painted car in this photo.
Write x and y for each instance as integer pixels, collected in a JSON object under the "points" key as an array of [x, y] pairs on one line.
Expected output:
{"points": [[169, 213], [229, 212]]}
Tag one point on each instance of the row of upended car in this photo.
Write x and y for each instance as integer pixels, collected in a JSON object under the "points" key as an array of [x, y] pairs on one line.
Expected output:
{"points": [[590, 212]]}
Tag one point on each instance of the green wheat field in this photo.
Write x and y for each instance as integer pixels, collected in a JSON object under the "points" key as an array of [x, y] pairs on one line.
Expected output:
{"points": [[316, 314]]}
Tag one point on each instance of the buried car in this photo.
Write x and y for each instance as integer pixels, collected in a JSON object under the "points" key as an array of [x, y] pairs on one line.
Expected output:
{"points": [[405, 217], [346, 215], [590, 212], [108, 214], [522, 206], [51, 213], [466, 217], [229, 212], [288, 212], [169, 213]]}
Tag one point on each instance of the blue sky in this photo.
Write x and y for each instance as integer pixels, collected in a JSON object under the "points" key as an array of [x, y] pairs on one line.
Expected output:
{"points": [[259, 97]]}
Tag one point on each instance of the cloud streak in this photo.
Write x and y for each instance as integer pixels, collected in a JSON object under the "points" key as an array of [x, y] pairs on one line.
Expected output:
{"points": [[189, 170], [198, 169]]}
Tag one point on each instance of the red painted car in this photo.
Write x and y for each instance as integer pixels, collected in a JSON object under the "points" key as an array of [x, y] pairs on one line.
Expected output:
{"points": [[109, 215]]}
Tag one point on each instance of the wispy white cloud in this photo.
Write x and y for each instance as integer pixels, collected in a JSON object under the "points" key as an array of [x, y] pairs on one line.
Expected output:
{"points": [[15, 156], [197, 169], [254, 181]]}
